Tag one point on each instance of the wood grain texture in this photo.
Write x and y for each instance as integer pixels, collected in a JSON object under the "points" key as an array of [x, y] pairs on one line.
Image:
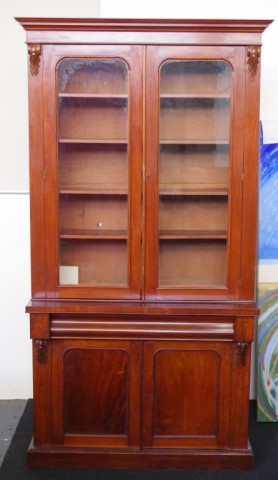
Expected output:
{"points": [[42, 398], [66, 326], [50, 24], [174, 413], [181, 459], [191, 309], [95, 389]]}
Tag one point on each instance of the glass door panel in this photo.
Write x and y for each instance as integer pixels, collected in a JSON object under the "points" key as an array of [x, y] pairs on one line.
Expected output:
{"points": [[93, 112], [194, 132]]}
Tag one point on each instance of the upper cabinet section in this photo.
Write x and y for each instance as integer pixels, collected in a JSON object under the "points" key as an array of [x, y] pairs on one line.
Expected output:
{"points": [[143, 153]]}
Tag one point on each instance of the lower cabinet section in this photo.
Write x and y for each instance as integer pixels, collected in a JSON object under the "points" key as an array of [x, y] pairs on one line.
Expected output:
{"points": [[148, 403], [100, 389]]}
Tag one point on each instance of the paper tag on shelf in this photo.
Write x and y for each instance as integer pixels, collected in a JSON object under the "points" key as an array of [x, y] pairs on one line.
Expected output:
{"points": [[68, 275]]}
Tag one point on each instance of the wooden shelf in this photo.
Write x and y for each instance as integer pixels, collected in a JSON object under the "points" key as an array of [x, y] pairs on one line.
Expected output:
{"points": [[201, 141], [193, 234], [93, 95], [195, 95], [98, 234], [93, 141], [95, 190], [193, 189]]}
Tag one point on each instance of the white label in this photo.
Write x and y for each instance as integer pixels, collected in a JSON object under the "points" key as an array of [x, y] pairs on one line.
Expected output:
{"points": [[68, 275]]}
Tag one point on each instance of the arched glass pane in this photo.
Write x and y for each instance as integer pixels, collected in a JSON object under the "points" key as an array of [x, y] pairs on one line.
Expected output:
{"points": [[194, 173], [93, 171]]}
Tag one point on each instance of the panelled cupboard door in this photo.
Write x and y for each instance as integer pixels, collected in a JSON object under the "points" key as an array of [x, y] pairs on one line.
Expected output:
{"points": [[95, 394], [186, 387], [194, 164], [93, 147]]}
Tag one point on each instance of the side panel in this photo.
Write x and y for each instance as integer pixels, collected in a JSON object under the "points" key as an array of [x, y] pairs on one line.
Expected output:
{"points": [[251, 168], [37, 166]]}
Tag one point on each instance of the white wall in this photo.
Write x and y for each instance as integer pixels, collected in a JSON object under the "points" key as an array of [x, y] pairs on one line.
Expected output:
{"points": [[265, 9], [15, 346]]}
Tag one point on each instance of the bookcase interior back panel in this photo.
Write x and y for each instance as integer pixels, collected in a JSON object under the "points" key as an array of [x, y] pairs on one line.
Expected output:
{"points": [[99, 212], [95, 76], [192, 262], [195, 77], [193, 213], [93, 118], [194, 120], [99, 262], [92, 167], [193, 165]]}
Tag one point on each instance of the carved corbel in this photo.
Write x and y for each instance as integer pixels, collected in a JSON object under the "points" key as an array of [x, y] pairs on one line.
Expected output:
{"points": [[34, 50], [241, 351], [253, 58], [41, 346]]}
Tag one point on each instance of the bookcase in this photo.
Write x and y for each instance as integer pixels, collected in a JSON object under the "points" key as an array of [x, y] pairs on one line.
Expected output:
{"points": [[143, 189]]}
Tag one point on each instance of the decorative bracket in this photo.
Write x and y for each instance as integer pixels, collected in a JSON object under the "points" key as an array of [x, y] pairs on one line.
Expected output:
{"points": [[253, 58], [241, 350], [34, 50], [42, 351]]}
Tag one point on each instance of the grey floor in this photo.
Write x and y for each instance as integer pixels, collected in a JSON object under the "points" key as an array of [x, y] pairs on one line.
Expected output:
{"points": [[10, 413]]}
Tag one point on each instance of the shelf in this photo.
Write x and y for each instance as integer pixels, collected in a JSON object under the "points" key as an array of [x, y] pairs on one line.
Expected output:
{"points": [[99, 234], [195, 95], [193, 234], [93, 141], [194, 190], [93, 95], [96, 190], [201, 141]]}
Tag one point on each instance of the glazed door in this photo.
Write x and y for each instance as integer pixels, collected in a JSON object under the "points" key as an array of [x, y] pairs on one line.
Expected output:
{"points": [[186, 387], [92, 97], [194, 162]]}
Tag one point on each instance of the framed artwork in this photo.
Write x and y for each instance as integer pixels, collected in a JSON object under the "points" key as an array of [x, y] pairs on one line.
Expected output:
{"points": [[267, 385]]}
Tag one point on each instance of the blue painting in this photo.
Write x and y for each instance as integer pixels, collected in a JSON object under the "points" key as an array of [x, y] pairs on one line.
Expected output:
{"points": [[267, 388], [268, 207]]}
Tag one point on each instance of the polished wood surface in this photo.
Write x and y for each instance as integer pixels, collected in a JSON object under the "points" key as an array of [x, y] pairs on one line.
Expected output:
{"points": [[143, 176], [174, 411], [144, 308]]}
